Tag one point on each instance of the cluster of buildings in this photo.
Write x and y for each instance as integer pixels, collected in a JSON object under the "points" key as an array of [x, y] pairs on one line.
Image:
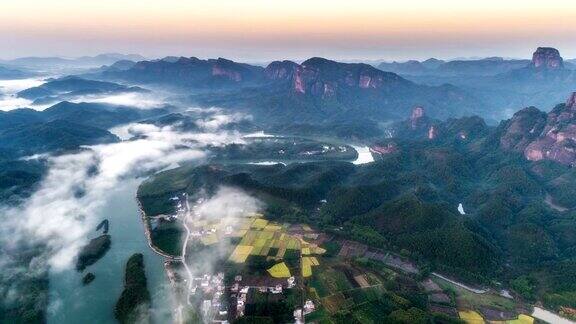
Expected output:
{"points": [[299, 313], [326, 149], [212, 288], [239, 291]]}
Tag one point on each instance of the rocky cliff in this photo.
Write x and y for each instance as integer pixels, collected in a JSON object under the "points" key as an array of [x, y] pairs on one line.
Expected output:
{"points": [[541, 136], [547, 58], [319, 77], [522, 129], [558, 138], [190, 72]]}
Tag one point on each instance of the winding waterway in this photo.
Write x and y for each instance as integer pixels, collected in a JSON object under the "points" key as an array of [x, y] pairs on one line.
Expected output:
{"points": [[70, 302]]}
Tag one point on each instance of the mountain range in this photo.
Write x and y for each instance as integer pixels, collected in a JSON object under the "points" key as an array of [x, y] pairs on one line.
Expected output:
{"points": [[516, 179], [59, 63], [503, 85], [319, 89], [316, 90], [64, 126], [480, 67], [10, 73], [67, 88]]}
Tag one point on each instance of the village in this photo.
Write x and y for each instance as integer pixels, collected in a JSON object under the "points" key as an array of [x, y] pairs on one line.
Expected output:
{"points": [[274, 263]]}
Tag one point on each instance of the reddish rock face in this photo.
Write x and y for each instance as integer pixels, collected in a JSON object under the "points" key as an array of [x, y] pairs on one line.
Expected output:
{"points": [[417, 114], [432, 133], [229, 74], [571, 103], [284, 70], [547, 58], [557, 141], [324, 78], [298, 82], [524, 127]]}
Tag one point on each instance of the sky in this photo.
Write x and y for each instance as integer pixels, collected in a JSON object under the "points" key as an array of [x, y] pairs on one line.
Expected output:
{"points": [[260, 30]]}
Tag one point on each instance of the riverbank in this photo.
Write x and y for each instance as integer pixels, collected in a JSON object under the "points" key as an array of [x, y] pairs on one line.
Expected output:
{"points": [[148, 234], [71, 302]]}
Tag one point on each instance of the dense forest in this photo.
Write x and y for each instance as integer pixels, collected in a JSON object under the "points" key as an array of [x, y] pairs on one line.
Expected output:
{"points": [[513, 229], [134, 303]]}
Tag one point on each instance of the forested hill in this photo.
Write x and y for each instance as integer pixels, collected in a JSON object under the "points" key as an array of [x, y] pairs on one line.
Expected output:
{"points": [[517, 228]]}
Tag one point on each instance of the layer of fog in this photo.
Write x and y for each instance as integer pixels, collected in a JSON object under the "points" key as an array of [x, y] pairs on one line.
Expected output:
{"points": [[226, 211], [59, 214], [9, 89], [10, 101], [129, 99]]}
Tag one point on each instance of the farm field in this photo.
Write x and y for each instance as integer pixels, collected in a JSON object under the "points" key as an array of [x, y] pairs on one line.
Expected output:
{"points": [[344, 292], [277, 242], [279, 270], [472, 305], [471, 317], [468, 300]]}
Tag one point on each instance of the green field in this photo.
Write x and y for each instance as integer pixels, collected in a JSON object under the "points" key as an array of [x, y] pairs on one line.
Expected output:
{"points": [[469, 300]]}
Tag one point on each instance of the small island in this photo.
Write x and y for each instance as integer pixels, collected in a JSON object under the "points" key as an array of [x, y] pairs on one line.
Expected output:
{"points": [[105, 224], [88, 278], [93, 251], [133, 306]]}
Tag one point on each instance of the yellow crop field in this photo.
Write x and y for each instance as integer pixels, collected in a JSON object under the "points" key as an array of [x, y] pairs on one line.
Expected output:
{"points": [[305, 251], [248, 238], [279, 270], [256, 250], [241, 253], [272, 228], [293, 244], [266, 235], [260, 242], [307, 263], [471, 317], [259, 223], [314, 261], [522, 319]]}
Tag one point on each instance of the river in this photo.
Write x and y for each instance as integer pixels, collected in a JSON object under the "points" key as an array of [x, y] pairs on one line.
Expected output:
{"points": [[70, 302]]}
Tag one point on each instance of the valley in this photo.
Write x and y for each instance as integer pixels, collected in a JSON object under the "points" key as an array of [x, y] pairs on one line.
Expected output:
{"points": [[311, 192]]}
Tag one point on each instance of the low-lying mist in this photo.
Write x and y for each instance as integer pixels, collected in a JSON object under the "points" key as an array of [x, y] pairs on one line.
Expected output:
{"points": [[59, 215]]}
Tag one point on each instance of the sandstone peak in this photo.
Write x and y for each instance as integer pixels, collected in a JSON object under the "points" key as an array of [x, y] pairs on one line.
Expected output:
{"points": [[281, 70], [547, 58], [417, 114]]}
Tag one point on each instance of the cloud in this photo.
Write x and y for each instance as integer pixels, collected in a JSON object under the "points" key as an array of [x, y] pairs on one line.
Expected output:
{"points": [[229, 205], [225, 210], [130, 99], [8, 90], [14, 86], [58, 214], [216, 118], [58, 218]]}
